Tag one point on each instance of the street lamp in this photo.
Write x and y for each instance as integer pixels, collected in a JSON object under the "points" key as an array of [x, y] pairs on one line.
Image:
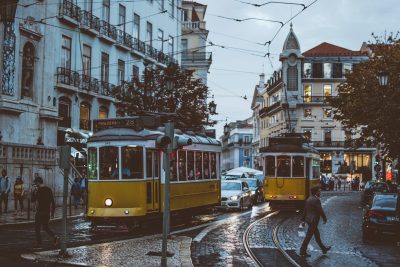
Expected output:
{"points": [[383, 77], [226, 128], [8, 8], [212, 107]]}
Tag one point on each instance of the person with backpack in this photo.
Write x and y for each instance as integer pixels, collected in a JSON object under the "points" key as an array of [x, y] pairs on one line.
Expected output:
{"points": [[76, 192], [5, 188], [19, 193]]}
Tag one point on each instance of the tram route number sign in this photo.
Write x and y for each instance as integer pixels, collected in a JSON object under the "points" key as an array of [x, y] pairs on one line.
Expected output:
{"points": [[132, 123]]}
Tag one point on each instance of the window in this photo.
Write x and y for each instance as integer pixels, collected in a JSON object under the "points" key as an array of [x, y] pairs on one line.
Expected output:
{"points": [[106, 11], [104, 67], [103, 113], [28, 64], [347, 68], [270, 166], [328, 136], [64, 112], [66, 52], [315, 168], [307, 113], [182, 165], [108, 163], [149, 163], [213, 161], [292, 78], [121, 72], [190, 165], [84, 116], [283, 168], [172, 7], [307, 70], [122, 17], [327, 90], [92, 163], [307, 133], [87, 60], [160, 37], [135, 71], [149, 34], [206, 165], [298, 166], [327, 70], [185, 15], [132, 162], [317, 70], [307, 93], [337, 70], [184, 46], [171, 46], [136, 26], [327, 113], [199, 165]]}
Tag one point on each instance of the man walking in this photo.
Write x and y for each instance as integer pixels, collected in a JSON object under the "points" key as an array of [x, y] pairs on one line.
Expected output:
{"points": [[312, 213], [5, 188], [44, 210]]}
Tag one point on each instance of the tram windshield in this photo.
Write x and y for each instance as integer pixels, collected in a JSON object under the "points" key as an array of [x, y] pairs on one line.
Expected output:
{"points": [[283, 168], [92, 163], [132, 162], [298, 166], [270, 165], [108, 161]]}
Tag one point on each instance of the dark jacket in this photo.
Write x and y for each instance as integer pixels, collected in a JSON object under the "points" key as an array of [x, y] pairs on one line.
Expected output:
{"points": [[313, 210]]}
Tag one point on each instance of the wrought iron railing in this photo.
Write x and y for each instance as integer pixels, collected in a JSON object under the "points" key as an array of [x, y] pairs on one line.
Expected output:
{"points": [[68, 77], [106, 88], [328, 143], [90, 20], [69, 9], [90, 84], [316, 99], [124, 38], [196, 56], [108, 30]]}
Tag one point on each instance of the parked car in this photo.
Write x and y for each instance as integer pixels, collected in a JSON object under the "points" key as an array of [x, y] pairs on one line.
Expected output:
{"points": [[256, 189], [382, 216], [370, 189], [235, 194]]}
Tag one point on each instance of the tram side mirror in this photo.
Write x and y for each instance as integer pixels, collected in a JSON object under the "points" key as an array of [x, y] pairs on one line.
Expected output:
{"points": [[180, 142], [163, 141]]}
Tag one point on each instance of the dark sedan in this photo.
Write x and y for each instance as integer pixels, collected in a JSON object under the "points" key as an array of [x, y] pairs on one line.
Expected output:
{"points": [[382, 217], [370, 189]]}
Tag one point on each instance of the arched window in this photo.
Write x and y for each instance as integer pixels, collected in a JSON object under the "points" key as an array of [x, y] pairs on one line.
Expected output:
{"points": [[64, 112], [84, 116], [103, 113], [292, 78], [28, 65]]}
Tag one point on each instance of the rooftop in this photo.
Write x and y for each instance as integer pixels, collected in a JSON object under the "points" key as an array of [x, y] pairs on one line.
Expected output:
{"points": [[329, 50]]}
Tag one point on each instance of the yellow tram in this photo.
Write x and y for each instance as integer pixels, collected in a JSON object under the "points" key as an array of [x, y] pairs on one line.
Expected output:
{"points": [[126, 178], [291, 168]]}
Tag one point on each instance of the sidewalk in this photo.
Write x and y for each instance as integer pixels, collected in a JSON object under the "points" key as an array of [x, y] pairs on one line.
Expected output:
{"points": [[132, 252], [10, 218]]}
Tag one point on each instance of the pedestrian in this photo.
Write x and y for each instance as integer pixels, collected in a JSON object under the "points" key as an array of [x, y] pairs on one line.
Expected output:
{"points": [[339, 183], [45, 211], [76, 192], [312, 213], [84, 187], [5, 188], [34, 190], [19, 193]]}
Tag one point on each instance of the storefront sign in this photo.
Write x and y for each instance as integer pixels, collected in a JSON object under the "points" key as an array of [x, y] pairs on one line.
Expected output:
{"points": [[132, 123]]}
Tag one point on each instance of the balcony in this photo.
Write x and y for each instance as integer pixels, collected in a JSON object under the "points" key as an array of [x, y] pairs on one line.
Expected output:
{"points": [[316, 99], [106, 88], [65, 122], [139, 46], [69, 12], [328, 143], [89, 21], [197, 57], [90, 84], [108, 32], [67, 77], [151, 51], [124, 40], [85, 125], [193, 25]]}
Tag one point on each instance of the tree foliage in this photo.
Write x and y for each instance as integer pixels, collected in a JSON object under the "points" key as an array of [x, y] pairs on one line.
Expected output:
{"points": [[364, 105], [187, 99]]}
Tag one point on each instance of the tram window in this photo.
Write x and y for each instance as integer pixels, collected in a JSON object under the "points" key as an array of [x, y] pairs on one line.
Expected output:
{"points": [[109, 169], [173, 174], [206, 165], [298, 166], [132, 162], [213, 166], [270, 165], [156, 156], [182, 165], [92, 163], [190, 165], [149, 163], [315, 168], [199, 165], [283, 169]]}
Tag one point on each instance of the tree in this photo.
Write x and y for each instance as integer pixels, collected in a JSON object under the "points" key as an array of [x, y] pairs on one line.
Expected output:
{"points": [[187, 99], [372, 109]]}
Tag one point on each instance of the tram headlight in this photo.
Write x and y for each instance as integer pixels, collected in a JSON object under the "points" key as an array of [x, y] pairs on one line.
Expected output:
{"points": [[253, 192], [108, 202], [235, 198]]}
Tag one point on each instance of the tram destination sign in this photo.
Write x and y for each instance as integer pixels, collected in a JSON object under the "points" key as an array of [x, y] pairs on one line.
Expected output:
{"points": [[132, 123]]}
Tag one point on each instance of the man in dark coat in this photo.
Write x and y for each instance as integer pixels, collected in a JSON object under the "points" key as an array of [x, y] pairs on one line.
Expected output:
{"points": [[312, 213]]}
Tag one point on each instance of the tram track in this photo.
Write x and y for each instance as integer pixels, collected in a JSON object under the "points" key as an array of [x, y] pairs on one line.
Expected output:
{"points": [[275, 240]]}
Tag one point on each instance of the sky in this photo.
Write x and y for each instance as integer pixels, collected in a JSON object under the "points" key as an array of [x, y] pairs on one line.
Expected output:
{"points": [[235, 69]]}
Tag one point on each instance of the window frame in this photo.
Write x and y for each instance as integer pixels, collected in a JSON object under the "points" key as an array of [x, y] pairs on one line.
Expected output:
{"points": [[87, 60], [66, 51]]}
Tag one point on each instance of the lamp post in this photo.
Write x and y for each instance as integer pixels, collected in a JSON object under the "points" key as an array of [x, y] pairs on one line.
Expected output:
{"points": [[212, 107], [8, 9]]}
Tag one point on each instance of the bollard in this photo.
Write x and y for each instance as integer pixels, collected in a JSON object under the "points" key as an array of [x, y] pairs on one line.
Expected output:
{"points": [[29, 209]]}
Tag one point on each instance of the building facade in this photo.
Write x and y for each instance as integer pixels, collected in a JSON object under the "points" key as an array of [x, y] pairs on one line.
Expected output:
{"points": [[237, 145], [296, 101], [70, 56], [256, 105]]}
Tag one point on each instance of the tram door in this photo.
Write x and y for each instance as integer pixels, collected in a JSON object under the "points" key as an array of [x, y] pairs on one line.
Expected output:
{"points": [[153, 180], [308, 177]]}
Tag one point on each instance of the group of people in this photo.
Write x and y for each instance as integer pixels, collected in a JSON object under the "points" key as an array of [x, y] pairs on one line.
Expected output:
{"points": [[79, 190], [335, 183], [5, 191]]}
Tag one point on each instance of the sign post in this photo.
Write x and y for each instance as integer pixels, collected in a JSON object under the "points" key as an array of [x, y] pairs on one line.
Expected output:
{"points": [[65, 152]]}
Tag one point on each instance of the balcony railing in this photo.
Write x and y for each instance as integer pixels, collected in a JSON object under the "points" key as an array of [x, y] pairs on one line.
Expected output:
{"points": [[85, 125], [124, 38], [67, 77], [327, 143], [196, 56], [193, 25], [69, 9], [108, 30], [316, 99], [90, 84], [89, 20], [65, 122], [273, 106], [106, 88]]}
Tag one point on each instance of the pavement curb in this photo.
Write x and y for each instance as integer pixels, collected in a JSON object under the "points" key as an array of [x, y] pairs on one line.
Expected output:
{"points": [[33, 221]]}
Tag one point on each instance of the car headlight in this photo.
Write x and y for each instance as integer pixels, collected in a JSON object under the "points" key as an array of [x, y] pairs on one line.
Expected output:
{"points": [[234, 198], [108, 202], [253, 192]]}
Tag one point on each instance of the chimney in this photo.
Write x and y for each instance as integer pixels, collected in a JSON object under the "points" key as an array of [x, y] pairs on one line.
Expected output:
{"points": [[262, 80]]}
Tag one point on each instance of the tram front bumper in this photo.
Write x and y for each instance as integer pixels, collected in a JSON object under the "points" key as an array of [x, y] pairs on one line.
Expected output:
{"points": [[115, 212], [272, 197]]}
